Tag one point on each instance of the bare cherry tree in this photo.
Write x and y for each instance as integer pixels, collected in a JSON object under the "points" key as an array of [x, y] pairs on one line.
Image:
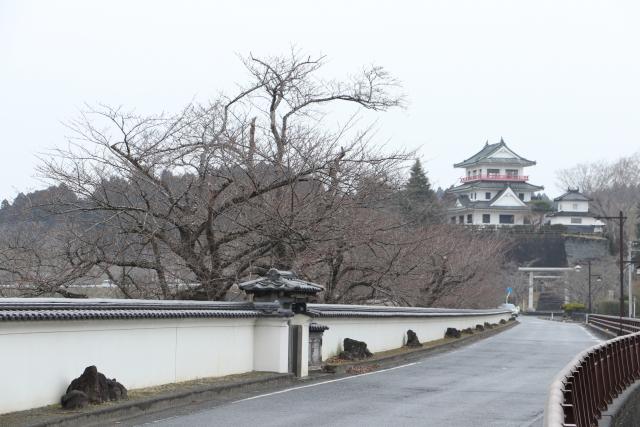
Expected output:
{"points": [[461, 267], [207, 195]]}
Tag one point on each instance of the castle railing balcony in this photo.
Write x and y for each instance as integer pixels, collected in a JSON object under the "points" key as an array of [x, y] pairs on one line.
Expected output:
{"points": [[495, 177]]}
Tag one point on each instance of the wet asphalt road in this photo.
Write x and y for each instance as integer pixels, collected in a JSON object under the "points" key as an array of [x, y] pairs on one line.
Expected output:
{"points": [[499, 381]]}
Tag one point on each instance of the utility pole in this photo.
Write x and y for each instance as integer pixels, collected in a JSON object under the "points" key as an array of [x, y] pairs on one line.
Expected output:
{"points": [[621, 221], [590, 276], [589, 264], [630, 276]]}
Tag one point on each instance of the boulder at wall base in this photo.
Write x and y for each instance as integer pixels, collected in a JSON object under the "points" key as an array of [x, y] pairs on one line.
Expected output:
{"points": [[116, 390], [467, 331], [75, 399], [97, 387], [354, 350], [479, 328], [488, 325], [502, 321], [452, 333], [412, 339]]}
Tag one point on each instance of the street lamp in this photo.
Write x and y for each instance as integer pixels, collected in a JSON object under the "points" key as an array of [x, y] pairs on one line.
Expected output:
{"points": [[578, 268], [620, 218]]}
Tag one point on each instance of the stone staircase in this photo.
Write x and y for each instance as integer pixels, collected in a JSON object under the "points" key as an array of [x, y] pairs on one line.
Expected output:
{"points": [[550, 301]]}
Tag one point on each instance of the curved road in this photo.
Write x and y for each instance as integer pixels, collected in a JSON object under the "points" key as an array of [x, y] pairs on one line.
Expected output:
{"points": [[500, 381]]}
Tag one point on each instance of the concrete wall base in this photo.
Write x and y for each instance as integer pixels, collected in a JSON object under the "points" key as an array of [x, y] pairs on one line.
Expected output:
{"points": [[625, 409]]}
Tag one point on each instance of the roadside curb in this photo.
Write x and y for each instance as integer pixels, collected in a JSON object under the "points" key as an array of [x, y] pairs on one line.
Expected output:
{"points": [[414, 354], [605, 334], [130, 408]]}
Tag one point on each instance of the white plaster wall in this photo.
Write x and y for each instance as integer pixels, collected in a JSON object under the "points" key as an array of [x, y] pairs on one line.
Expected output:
{"points": [[508, 198], [495, 218], [303, 320], [382, 334], [569, 206], [270, 346], [38, 359], [565, 220], [213, 350]]}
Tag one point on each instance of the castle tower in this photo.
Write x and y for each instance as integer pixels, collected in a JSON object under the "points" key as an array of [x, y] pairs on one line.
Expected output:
{"points": [[494, 189]]}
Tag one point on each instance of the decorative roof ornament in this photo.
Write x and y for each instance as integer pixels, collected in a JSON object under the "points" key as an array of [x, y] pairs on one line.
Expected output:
{"points": [[283, 287], [280, 281]]}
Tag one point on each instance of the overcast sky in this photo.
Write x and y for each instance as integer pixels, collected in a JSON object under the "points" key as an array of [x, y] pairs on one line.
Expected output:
{"points": [[559, 80]]}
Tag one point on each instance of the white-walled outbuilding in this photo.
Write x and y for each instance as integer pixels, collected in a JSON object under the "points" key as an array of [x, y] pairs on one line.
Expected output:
{"points": [[572, 211]]}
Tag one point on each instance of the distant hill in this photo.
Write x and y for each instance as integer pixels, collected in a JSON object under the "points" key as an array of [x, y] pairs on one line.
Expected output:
{"points": [[42, 206]]}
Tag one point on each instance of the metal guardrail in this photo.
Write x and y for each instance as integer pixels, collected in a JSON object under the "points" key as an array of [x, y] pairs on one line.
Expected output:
{"points": [[588, 384], [614, 324]]}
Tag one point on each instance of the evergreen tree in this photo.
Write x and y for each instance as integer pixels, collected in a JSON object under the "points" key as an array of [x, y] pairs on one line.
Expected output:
{"points": [[419, 202], [418, 186]]}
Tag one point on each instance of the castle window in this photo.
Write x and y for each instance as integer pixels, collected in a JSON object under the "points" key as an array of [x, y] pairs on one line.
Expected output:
{"points": [[469, 219], [487, 196], [511, 172], [521, 196], [506, 219], [492, 172], [453, 220], [576, 220], [575, 206], [486, 218], [461, 219]]}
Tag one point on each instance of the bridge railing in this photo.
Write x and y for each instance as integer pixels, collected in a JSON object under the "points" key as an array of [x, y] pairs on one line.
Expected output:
{"points": [[589, 383], [614, 324]]}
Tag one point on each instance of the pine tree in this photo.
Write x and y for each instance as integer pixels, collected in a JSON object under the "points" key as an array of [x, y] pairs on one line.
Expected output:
{"points": [[418, 186], [419, 203]]}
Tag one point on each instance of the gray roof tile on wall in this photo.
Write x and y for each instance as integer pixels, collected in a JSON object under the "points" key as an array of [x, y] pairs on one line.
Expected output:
{"points": [[336, 310], [64, 309]]}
